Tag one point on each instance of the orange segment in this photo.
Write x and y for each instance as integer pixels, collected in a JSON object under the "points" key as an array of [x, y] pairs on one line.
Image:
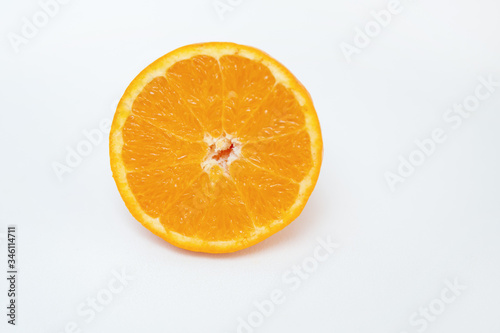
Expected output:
{"points": [[198, 81], [215, 147], [171, 180], [159, 104], [276, 154], [246, 84], [280, 113], [148, 147], [210, 209], [267, 195]]}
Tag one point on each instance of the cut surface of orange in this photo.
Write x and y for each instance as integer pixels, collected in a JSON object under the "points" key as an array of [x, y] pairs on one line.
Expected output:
{"points": [[215, 146]]}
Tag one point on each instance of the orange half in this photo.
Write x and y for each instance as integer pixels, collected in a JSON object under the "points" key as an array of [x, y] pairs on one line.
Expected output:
{"points": [[215, 147]]}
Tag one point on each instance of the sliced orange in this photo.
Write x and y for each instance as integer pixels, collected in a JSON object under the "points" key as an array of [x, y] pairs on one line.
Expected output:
{"points": [[215, 147]]}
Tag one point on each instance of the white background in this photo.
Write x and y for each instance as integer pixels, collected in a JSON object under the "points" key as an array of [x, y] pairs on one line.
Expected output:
{"points": [[397, 248]]}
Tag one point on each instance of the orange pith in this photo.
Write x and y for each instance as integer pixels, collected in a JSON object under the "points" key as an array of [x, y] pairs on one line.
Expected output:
{"points": [[215, 147]]}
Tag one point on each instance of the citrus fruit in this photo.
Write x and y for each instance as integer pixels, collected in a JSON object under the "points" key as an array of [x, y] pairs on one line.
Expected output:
{"points": [[215, 147]]}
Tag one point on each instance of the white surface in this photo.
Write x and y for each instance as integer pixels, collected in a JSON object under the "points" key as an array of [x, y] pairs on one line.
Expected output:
{"points": [[396, 250]]}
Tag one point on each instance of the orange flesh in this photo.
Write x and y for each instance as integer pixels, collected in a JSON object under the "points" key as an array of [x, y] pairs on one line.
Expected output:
{"points": [[216, 148]]}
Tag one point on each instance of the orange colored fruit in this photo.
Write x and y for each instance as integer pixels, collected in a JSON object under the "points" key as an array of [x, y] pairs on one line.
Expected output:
{"points": [[215, 147]]}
